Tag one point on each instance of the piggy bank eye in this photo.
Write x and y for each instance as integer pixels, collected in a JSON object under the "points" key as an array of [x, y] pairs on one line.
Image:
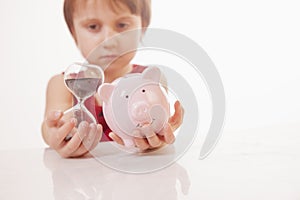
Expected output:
{"points": [[143, 91], [124, 94]]}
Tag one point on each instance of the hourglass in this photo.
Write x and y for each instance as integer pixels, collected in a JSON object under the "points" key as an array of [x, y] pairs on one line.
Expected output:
{"points": [[83, 81]]}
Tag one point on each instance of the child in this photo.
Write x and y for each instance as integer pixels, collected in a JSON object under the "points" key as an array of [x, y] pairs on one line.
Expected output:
{"points": [[90, 23]]}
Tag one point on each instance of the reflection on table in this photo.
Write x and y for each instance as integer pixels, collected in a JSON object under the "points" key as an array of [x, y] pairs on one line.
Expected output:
{"points": [[87, 178]]}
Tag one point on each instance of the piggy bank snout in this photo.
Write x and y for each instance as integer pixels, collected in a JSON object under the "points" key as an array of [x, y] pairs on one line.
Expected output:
{"points": [[140, 111]]}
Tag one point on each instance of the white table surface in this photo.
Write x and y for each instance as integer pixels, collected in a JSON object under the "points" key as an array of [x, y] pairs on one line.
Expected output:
{"points": [[252, 164]]}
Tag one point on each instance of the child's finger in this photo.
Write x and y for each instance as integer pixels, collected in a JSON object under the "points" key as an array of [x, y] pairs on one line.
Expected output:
{"points": [[178, 112], [89, 139], [152, 138], [75, 146], [169, 137], [97, 136], [177, 118], [52, 118], [154, 141], [83, 130], [71, 146], [65, 129], [116, 138], [141, 143]]}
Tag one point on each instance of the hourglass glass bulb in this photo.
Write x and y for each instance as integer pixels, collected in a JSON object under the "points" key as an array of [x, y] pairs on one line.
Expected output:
{"points": [[82, 80]]}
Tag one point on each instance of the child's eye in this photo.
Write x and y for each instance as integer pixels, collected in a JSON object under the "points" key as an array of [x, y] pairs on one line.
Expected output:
{"points": [[122, 25], [94, 27]]}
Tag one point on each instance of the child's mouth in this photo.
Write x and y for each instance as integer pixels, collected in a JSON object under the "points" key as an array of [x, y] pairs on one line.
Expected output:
{"points": [[108, 58]]}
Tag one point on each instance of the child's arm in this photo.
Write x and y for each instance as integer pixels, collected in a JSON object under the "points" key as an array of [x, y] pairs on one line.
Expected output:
{"points": [[55, 128]]}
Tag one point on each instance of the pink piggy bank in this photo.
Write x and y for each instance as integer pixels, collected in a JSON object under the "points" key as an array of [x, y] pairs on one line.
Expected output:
{"points": [[135, 102]]}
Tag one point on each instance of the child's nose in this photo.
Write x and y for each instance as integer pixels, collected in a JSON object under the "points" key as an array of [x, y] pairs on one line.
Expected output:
{"points": [[108, 37], [108, 32]]}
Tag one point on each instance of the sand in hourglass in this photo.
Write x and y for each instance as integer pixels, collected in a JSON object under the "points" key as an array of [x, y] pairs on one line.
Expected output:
{"points": [[83, 87]]}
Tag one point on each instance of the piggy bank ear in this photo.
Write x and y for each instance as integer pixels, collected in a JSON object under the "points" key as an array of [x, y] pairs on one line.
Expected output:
{"points": [[105, 90], [152, 73]]}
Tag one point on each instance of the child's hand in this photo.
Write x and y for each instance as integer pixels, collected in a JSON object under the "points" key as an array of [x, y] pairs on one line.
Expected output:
{"points": [[154, 140], [84, 139]]}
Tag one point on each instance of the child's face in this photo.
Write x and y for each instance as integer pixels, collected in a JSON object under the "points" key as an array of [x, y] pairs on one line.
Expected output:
{"points": [[95, 22]]}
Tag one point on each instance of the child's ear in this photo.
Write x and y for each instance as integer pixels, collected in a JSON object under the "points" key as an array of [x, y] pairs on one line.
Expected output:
{"points": [[152, 73], [105, 91]]}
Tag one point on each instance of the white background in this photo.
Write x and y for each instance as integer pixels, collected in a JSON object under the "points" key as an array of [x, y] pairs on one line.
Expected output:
{"points": [[255, 46]]}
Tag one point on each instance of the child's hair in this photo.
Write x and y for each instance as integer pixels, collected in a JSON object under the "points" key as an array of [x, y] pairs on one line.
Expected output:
{"points": [[137, 7]]}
